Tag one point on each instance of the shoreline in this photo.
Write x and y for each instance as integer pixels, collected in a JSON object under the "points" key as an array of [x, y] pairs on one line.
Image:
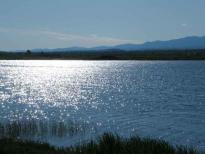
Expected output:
{"points": [[105, 144], [197, 54]]}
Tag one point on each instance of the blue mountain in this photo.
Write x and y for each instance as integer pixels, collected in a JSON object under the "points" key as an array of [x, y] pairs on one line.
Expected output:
{"points": [[192, 42]]}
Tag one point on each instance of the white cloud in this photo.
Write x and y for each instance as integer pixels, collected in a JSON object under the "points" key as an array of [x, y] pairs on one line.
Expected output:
{"points": [[69, 39], [184, 25], [90, 39]]}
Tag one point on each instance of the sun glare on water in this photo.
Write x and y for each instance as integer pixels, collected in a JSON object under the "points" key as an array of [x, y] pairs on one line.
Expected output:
{"points": [[41, 85]]}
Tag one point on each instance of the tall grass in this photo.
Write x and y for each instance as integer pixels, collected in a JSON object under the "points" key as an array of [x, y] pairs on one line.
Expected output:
{"points": [[15, 136], [106, 144], [40, 129]]}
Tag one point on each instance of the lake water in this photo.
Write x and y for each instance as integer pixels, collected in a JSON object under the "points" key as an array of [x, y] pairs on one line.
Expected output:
{"points": [[158, 99]]}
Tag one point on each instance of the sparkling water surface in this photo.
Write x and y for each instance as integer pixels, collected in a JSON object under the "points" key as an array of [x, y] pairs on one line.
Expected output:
{"points": [[158, 99]]}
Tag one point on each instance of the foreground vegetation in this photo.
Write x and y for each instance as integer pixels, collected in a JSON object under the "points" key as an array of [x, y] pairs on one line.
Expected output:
{"points": [[197, 54], [106, 144], [41, 128]]}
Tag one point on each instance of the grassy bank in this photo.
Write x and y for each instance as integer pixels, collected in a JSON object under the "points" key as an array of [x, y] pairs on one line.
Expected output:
{"points": [[106, 144], [197, 54]]}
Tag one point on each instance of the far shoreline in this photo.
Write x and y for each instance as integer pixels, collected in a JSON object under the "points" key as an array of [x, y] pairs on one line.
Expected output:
{"points": [[195, 54]]}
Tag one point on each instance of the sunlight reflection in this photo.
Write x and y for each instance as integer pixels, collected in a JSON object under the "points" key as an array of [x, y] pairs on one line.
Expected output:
{"points": [[47, 85]]}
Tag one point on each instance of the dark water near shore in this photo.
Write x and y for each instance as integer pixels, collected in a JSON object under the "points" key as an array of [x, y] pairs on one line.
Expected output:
{"points": [[160, 99]]}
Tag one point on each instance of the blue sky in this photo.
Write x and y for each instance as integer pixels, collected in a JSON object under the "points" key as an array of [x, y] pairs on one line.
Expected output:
{"points": [[27, 24]]}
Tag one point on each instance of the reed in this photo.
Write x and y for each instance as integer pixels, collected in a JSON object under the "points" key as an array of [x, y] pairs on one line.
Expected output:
{"points": [[106, 144], [26, 129]]}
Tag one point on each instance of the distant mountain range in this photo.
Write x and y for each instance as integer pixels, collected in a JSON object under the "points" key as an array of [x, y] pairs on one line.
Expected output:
{"points": [[192, 42]]}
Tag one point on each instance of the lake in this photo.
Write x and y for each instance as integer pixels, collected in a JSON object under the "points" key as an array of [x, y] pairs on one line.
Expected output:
{"points": [[157, 99]]}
